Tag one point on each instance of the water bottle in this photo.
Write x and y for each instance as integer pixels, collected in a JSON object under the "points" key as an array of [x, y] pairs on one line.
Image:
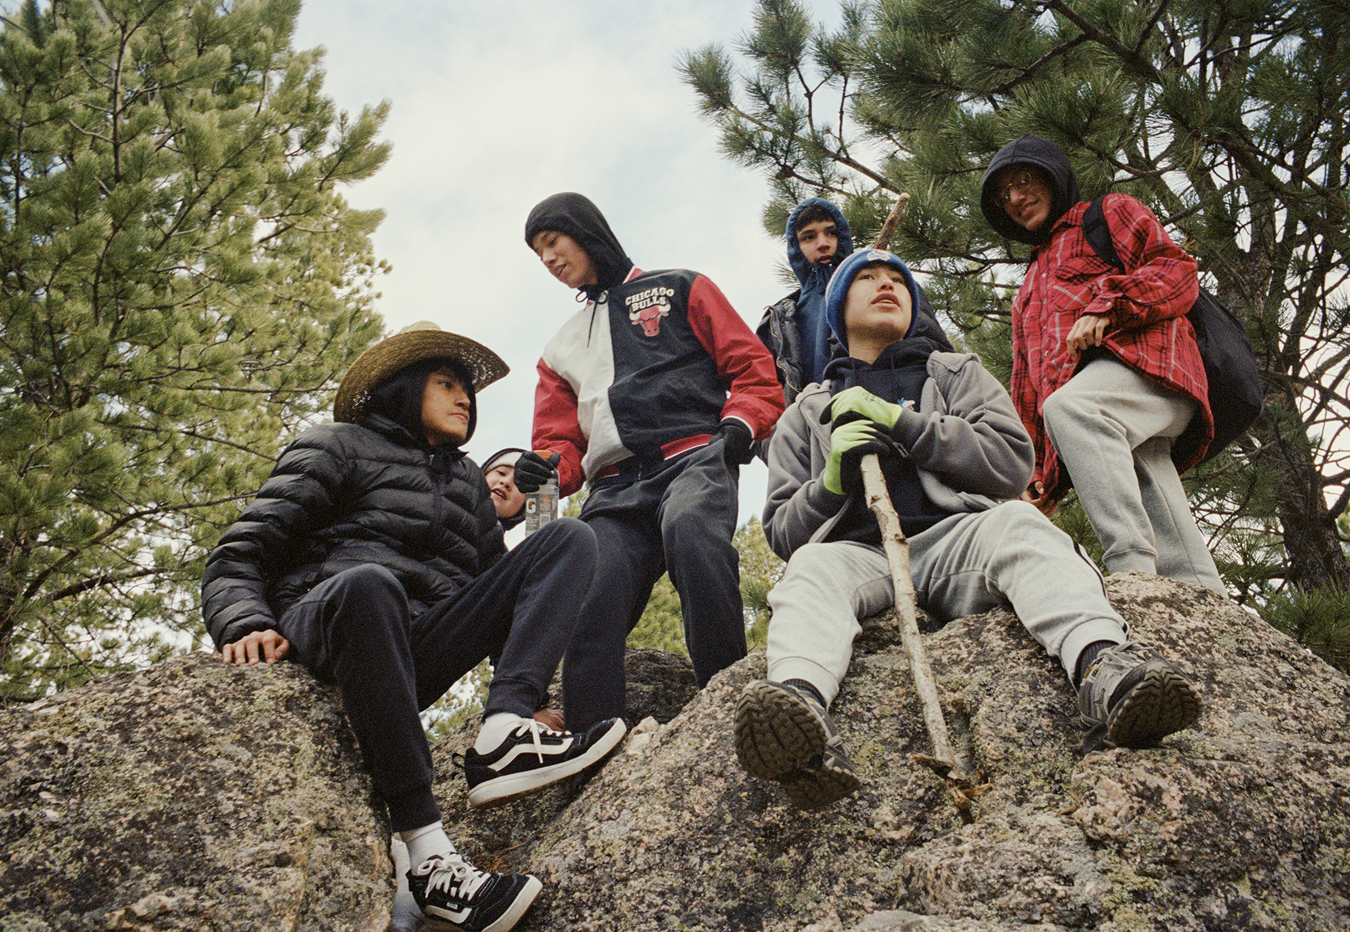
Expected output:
{"points": [[541, 506]]}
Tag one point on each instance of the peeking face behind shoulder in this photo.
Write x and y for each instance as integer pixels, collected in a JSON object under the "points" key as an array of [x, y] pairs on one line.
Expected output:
{"points": [[508, 500], [499, 470]]}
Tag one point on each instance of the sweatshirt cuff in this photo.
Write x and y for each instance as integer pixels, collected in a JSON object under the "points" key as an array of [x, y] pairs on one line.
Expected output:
{"points": [[909, 426], [825, 500]]}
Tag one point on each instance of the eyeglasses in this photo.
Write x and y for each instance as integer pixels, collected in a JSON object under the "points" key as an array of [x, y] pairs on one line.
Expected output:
{"points": [[1018, 184]]}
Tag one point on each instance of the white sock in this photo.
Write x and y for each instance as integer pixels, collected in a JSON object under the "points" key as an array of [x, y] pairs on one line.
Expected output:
{"points": [[425, 842], [494, 730], [405, 916]]}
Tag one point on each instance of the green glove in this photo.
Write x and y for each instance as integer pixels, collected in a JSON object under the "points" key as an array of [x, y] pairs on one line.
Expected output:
{"points": [[860, 401], [848, 444]]}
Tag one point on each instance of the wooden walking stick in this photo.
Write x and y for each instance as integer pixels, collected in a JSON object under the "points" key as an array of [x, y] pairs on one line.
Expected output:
{"points": [[944, 761], [888, 225]]}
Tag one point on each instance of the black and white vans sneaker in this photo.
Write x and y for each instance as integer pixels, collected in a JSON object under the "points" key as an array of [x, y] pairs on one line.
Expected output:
{"points": [[533, 756], [453, 894]]}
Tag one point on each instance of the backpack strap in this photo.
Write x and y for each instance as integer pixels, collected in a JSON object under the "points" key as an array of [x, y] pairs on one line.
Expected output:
{"points": [[1097, 232]]}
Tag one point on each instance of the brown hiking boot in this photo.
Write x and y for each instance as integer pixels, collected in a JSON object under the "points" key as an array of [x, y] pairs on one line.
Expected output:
{"points": [[785, 736]]}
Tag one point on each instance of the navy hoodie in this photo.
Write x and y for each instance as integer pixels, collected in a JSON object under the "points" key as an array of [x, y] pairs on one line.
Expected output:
{"points": [[813, 278]]}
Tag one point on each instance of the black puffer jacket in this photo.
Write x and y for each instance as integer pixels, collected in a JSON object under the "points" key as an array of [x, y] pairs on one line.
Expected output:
{"points": [[343, 495]]}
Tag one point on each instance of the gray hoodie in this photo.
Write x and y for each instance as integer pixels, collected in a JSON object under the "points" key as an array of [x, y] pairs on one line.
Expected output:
{"points": [[966, 441]]}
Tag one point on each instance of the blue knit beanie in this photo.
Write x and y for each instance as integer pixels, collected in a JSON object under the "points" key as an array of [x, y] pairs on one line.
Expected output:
{"points": [[843, 278]]}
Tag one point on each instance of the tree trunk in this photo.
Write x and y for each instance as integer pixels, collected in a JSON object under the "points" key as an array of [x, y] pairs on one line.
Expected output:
{"points": [[1307, 526]]}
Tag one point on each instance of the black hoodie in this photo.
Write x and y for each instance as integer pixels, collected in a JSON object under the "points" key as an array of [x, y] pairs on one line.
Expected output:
{"points": [[575, 215], [1030, 150]]}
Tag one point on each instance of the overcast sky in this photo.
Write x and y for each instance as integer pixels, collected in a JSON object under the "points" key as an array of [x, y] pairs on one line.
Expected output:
{"points": [[497, 106]]}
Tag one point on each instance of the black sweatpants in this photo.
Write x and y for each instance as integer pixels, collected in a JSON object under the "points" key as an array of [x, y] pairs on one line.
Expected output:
{"points": [[680, 515], [356, 629]]}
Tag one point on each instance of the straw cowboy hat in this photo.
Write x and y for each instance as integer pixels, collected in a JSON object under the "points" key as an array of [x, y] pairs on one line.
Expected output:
{"points": [[422, 340]]}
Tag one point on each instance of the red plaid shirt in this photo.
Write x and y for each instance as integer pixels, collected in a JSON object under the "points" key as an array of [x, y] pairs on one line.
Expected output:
{"points": [[1147, 306]]}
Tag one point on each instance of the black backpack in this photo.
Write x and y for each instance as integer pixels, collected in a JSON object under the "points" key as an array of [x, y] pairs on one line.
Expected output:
{"points": [[1235, 393]]}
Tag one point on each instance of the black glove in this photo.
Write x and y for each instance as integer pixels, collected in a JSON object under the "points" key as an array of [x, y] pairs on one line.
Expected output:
{"points": [[737, 442], [533, 470]]}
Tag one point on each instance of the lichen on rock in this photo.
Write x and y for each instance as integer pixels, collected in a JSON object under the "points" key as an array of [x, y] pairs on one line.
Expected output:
{"points": [[189, 795]]}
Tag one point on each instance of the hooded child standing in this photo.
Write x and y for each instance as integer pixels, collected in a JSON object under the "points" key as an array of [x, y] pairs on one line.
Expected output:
{"points": [[1106, 372], [653, 393], [374, 557], [951, 448], [795, 330]]}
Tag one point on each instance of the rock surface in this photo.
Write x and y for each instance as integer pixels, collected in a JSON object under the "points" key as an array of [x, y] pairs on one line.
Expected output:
{"points": [[659, 685], [189, 795], [193, 795], [1240, 823]]}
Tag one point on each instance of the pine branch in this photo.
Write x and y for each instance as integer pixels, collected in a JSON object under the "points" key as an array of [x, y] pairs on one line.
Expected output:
{"points": [[97, 582]]}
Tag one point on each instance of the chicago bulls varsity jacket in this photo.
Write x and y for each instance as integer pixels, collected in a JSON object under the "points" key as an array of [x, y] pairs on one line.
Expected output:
{"points": [[649, 369]]}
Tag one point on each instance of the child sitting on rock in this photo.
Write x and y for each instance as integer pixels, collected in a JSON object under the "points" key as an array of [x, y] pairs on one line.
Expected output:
{"points": [[373, 555], [951, 447]]}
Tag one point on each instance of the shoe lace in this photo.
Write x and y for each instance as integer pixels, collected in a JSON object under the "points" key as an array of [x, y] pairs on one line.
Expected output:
{"points": [[457, 877], [537, 730]]}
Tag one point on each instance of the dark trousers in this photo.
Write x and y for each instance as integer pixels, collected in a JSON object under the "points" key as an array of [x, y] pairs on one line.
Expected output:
{"points": [[356, 629], [680, 515]]}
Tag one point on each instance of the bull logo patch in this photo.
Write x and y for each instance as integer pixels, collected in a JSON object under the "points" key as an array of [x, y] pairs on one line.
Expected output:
{"points": [[646, 308]]}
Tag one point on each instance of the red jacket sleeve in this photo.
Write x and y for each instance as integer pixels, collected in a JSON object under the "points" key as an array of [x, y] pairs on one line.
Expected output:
{"points": [[746, 367], [557, 429], [1160, 283]]}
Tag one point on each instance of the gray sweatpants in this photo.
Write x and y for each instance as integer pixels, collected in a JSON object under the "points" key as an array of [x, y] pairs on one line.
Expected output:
{"points": [[968, 563], [1114, 429]]}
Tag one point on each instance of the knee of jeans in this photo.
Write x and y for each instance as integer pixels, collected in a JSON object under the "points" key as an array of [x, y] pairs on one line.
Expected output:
{"points": [[569, 532]]}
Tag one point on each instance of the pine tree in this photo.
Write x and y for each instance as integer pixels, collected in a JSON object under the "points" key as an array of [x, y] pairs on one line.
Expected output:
{"points": [[1231, 121], [761, 569], [181, 283]]}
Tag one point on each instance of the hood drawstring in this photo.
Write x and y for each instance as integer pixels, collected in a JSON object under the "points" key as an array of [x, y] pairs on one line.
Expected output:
{"points": [[595, 306], [590, 328]]}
